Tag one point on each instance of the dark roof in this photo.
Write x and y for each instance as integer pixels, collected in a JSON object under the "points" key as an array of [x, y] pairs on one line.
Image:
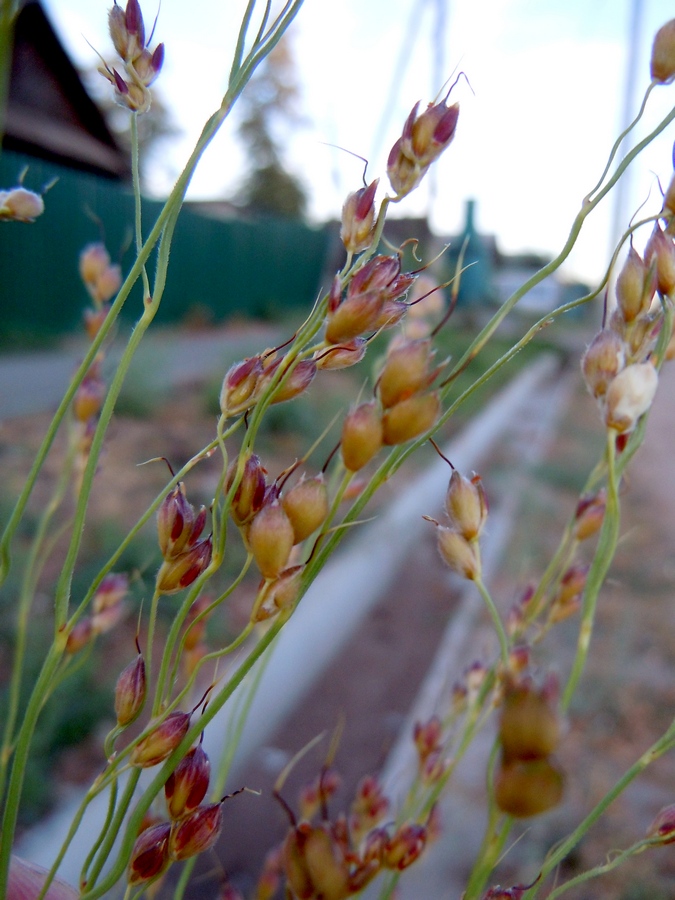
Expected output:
{"points": [[50, 115]]}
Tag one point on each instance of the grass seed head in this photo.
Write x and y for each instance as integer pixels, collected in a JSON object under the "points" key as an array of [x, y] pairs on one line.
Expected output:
{"points": [[187, 785], [161, 741], [362, 437], [662, 64], [130, 692]]}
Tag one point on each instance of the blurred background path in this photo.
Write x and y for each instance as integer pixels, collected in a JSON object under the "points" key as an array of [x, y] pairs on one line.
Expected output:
{"points": [[33, 382]]}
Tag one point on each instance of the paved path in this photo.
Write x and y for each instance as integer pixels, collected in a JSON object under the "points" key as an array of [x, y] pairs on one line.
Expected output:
{"points": [[35, 382]]}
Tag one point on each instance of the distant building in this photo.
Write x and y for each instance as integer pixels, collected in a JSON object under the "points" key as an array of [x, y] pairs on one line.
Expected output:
{"points": [[491, 277], [50, 115]]}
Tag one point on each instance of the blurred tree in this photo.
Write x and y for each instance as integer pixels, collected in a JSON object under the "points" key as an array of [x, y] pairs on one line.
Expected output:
{"points": [[267, 107]]}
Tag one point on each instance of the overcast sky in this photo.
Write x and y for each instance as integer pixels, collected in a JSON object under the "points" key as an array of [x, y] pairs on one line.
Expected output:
{"points": [[548, 86]]}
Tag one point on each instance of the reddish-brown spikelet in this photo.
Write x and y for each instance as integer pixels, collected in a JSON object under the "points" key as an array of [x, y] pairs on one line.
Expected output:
{"points": [[410, 418], [589, 515], [529, 726], [187, 785], [89, 398], [466, 505], [250, 493], [341, 356], [130, 692], [458, 553], [635, 287], [662, 64], [660, 251], [405, 846], [602, 361], [277, 594], [150, 854], [529, 787], [314, 864], [161, 741], [239, 386], [353, 317], [663, 826], [20, 205], [362, 437], [270, 539], [358, 219], [196, 831], [293, 384], [80, 635], [405, 372], [178, 526], [178, 572], [306, 504]]}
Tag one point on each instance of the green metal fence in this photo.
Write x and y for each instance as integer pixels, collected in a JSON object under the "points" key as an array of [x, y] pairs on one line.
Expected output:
{"points": [[217, 268]]}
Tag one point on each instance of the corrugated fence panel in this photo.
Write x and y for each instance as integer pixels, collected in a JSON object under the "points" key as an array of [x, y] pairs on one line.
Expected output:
{"points": [[216, 268]]}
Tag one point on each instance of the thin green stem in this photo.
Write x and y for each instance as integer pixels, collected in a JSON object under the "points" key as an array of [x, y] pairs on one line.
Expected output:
{"points": [[165, 686], [126, 542], [493, 846], [564, 553], [241, 39], [620, 139], [658, 748], [114, 829], [184, 878], [72, 830], [604, 554], [240, 639], [216, 703], [163, 229], [217, 789], [112, 802], [136, 179], [587, 208], [22, 749], [62, 592], [32, 570], [170, 209], [496, 620], [150, 640], [617, 860]]}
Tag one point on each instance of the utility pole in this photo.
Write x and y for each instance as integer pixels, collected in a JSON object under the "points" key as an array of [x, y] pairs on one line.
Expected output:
{"points": [[620, 211]]}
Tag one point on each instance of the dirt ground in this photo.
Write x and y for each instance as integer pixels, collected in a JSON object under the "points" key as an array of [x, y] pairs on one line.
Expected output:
{"points": [[628, 692]]}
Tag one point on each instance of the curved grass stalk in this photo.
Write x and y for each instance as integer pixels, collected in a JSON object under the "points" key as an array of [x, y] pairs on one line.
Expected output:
{"points": [[496, 621], [32, 571], [239, 717], [587, 208], [662, 745], [216, 703], [136, 179], [613, 863], [112, 802], [165, 686], [604, 554], [128, 538], [171, 208], [114, 828], [21, 753], [161, 232]]}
